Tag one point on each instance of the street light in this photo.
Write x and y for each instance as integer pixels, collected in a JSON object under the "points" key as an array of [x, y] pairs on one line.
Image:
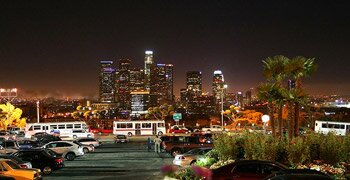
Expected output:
{"points": [[265, 118], [222, 105]]}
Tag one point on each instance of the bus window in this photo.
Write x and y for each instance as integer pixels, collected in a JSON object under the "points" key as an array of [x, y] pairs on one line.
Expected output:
{"points": [[324, 125], [61, 126], [123, 125], [331, 126], [146, 125], [31, 128], [342, 126], [118, 125], [37, 127], [69, 126], [128, 125], [336, 126], [84, 126], [160, 124], [77, 126], [53, 126]]}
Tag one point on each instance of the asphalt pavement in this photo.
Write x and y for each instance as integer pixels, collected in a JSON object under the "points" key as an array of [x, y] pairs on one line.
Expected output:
{"points": [[115, 161]]}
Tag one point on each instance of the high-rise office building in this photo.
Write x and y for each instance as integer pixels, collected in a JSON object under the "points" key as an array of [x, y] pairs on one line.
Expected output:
{"points": [[148, 64], [137, 79], [240, 99], [123, 84], [161, 84], [248, 96], [194, 82], [107, 81], [218, 85], [139, 102]]}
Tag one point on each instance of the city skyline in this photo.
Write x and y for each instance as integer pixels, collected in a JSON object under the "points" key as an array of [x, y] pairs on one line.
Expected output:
{"points": [[55, 48]]}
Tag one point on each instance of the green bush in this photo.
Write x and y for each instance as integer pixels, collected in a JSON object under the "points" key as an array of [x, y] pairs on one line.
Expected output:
{"points": [[226, 146], [331, 149], [298, 151]]}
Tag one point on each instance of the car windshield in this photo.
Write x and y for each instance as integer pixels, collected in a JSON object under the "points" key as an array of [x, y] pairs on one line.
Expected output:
{"points": [[50, 152], [13, 165], [121, 137]]}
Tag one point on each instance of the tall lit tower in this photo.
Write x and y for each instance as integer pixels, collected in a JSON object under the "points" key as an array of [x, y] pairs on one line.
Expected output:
{"points": [[161, 84], [218, 85], [194, 82], [148, 64], [107, 81], [122, 85]]}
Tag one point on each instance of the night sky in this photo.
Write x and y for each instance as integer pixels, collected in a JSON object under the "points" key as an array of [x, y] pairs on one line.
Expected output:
{"points": [[54, 47]]}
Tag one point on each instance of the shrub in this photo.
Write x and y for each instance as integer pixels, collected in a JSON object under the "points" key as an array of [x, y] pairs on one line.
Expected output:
{"points": [[298, 151], [331, 149], [226, 146]]}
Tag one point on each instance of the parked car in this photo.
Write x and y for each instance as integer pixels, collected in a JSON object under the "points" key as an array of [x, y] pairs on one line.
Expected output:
{"points": [[44, 139], [86, 148], [247, 169], [213, 128], [28, 144], [8, 147], [178, 129], [7, 136], [107, 131], [41, 159], [94, 130], [81, 134], [190, 157], [179, 144], [10, 168], [90, 141], [120, 138], [298, 174], [69, 150], [17, 160], [15, 130]]}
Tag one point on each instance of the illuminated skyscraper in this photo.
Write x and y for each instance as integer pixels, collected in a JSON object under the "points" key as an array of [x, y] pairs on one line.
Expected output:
{"points": [[107, 81], [137, 79], [148, 64], [161, 84], [218, 85], [123, 84], [194, 82]]}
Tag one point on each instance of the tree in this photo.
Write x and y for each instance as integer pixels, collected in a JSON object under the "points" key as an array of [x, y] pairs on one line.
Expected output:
{"points": [[232, 113], [10, 115], [160, 112], [298, 68], [274, 70]]}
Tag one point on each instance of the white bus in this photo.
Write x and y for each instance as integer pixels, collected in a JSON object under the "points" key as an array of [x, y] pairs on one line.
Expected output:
{"points": [[63, 129], [338, 128], [130, 128]]}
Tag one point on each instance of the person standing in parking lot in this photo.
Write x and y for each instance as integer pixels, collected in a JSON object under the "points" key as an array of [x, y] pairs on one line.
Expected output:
{"points": [[148, 143], [157, 142]]}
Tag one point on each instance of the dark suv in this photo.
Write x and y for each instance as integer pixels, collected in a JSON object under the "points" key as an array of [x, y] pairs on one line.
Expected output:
{"points": [[179, 144], [41, 159]]}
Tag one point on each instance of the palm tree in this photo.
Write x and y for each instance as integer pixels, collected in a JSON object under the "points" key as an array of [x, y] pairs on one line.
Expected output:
{"points": [[298, 68], [268, 92], [274, 70]]}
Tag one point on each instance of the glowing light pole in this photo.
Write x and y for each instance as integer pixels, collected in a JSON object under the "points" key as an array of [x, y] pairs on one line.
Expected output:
{"points": [[265, 118], [222, 105], [37, 111]]}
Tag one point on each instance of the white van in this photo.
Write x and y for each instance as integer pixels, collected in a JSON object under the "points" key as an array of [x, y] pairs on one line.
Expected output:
{"points": [[81, 134]]}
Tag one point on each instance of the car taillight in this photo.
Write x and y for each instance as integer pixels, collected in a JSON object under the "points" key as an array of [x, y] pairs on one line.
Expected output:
{"points": [[23, 166], [58, 160]]}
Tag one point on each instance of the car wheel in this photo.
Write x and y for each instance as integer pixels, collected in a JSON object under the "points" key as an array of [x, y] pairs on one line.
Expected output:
{"points": [[160, 133], [70, 156], [47, 170], [129, 134], [75, 136], [175, 152], [85, 150]]}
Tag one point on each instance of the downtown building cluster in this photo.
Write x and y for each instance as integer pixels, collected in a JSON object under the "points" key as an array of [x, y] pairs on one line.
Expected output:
{"points": [[130, 91]]}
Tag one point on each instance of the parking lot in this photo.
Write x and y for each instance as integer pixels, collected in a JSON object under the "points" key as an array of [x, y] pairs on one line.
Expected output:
{"points": [[115, 161]]}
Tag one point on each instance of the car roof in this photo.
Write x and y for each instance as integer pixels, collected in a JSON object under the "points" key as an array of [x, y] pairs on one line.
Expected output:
{"points": [[300, 177]]}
